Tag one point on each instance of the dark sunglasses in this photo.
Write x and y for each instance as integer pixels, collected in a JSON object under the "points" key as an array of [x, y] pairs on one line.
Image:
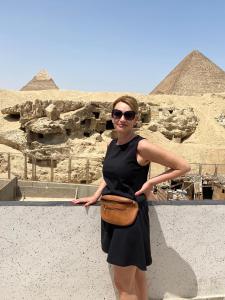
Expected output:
{"points": [[128, 115]]}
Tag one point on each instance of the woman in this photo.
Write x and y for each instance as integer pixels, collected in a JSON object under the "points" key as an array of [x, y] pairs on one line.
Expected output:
{"points": [[125, 172]]}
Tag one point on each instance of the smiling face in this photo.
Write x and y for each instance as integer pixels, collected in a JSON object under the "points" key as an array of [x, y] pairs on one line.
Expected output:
{"points": [[122, 125]]}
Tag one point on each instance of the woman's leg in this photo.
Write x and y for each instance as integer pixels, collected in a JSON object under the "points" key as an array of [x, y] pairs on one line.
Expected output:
{"points": [[125, 281], [141, 285]]}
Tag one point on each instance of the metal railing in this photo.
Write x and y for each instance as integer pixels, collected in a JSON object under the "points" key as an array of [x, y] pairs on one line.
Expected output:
{"points": [[31, 160], [25, 173]]}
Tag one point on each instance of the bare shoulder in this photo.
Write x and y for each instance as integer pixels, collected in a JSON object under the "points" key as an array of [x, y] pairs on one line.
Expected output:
{"points": [[145, 145], [147, 150], [158, 154], [142, 143]]}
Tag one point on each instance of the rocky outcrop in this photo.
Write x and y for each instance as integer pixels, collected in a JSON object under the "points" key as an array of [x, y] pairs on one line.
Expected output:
{"points": [[49, 128], [45, 126], [175, 123], [38, 109], [52, 112], [54, 132], [16, 139], [13, 110], [221, 119], [77, 119]]}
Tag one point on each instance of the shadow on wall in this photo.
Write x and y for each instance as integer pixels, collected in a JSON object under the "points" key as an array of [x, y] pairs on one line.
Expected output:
{"points": [[169, 274]]}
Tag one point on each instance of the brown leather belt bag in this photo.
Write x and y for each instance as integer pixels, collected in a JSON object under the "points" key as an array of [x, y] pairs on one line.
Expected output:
{"points": [[118, 210]]}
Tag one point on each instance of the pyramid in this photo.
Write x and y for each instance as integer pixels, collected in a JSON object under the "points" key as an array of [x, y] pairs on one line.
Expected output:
{"points": [[195, 74], [41, 81]]}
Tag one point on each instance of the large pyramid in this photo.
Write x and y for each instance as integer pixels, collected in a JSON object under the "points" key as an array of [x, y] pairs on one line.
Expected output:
{"points": [[195, 74], [41, 81]]}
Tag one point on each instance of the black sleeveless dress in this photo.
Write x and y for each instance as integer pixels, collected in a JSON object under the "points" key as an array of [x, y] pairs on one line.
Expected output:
{"points": [[129, 245]]}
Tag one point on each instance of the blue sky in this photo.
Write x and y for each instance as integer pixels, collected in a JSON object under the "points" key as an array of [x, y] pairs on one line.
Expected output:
{"points": [[106, 45]]}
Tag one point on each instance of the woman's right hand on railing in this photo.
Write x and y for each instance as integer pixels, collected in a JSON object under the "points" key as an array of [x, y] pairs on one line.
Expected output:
{"points": [[85, 200]]}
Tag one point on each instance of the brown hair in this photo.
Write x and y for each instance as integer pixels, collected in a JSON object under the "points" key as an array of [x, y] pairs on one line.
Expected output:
{"points": [[131, 101]]}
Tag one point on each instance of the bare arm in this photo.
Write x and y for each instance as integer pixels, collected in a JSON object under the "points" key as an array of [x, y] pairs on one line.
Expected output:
{"points": [[152, 153], [98, 192], [91, 199]]}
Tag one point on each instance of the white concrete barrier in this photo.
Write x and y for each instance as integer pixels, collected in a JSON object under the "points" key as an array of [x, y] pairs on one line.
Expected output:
{"points": [[51, 250]]}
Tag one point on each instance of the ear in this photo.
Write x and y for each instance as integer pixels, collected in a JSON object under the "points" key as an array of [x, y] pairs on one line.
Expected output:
{"points": [[135, 121], [113, 121]]}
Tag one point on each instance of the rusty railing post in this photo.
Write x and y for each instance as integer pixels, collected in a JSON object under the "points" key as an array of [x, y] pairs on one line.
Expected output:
{"points": [[9, 166], [87, 171], [200, 169], [52, 170], [25, 166], [69, 169], [216, 170], [33, 167]]}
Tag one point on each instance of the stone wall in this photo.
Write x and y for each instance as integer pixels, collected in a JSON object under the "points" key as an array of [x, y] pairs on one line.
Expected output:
{"points": [[52, 251]]}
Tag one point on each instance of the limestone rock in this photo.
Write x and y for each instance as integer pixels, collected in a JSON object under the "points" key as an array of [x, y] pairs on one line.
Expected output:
{"points": [[52, 112], [44, 154], [13, 110], [153, 126], [14, 138], [96, 137], [45, 126], [107, 136], [221, 119], [175, 123]]}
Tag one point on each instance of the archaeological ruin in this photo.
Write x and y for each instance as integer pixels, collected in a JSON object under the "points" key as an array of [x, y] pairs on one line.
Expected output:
{"points": [[41, 81], [195, 74]]}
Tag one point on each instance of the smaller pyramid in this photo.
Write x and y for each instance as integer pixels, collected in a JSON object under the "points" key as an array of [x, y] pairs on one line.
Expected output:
{"points": [[195, 74], [41, 81]]}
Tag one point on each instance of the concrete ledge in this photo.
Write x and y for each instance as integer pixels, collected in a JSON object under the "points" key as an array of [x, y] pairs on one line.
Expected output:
{"points": [[17, 189], [8, 189], [51, 250], [150, 203]]}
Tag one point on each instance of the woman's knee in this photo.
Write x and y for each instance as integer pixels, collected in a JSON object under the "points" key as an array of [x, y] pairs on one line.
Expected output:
{"points": [[124, 278], [140, 275]]}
